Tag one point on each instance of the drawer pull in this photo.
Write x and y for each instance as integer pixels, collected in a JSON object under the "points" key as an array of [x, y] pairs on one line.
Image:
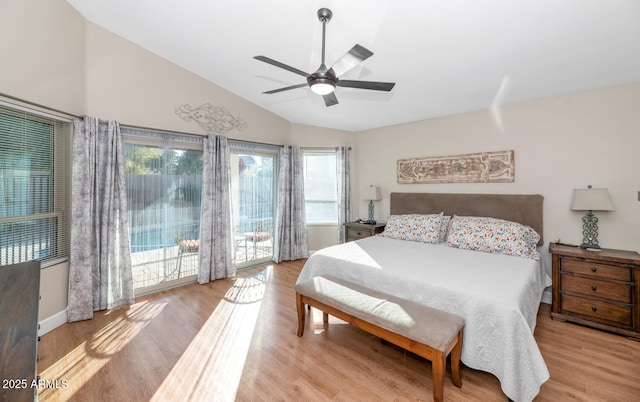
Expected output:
{"points": [[594, 308], [594, 288], [594, 269]]}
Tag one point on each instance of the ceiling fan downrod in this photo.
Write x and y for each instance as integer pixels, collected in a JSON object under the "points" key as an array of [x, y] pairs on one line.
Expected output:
{"points": [[324, 15]]}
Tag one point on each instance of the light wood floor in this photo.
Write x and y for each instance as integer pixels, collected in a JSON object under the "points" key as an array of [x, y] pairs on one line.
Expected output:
{"points": [[236, 340]]}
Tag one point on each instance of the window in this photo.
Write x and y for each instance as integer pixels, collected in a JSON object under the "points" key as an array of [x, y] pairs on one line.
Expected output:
{"points": [[320, 187], [34, 187]]}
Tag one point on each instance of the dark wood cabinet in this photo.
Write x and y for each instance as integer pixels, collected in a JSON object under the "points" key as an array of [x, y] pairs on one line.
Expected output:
{"points": [[356, 230], [19, 296], [600, 289]]}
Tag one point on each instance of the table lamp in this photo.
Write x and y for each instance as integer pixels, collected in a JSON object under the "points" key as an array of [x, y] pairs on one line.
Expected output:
{"points": [[372, 194], [591, 199]]}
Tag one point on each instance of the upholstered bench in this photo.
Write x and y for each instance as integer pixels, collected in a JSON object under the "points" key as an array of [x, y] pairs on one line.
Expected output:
{"points": [[425, 331]]}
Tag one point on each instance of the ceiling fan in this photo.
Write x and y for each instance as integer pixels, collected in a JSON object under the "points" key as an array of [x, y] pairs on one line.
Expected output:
{"points": [[324, 80]]}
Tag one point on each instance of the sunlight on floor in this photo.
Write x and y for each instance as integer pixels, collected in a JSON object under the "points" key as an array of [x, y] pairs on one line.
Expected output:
{"points": [[214, 361], [86, 360]]}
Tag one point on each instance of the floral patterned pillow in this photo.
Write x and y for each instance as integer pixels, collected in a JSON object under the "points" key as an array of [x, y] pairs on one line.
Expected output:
{"points": [[395, 227], [414, 227], [493, 235]]}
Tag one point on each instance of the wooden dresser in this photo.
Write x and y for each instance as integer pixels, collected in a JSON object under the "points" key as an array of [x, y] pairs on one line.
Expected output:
{"points": [[600, 289], [19, 296], [355, 230]]}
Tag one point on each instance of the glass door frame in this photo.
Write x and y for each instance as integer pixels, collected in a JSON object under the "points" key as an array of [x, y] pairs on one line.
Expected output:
{"points": [[241, 237], [169, 258]]}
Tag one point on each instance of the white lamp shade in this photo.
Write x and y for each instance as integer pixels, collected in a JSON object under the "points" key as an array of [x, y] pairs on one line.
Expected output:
{"points": [[371, 193], [591, 199]]}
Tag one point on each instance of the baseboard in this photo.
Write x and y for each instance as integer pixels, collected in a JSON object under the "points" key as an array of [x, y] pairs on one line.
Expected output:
{"points": [[53, 322], [547, 296]]}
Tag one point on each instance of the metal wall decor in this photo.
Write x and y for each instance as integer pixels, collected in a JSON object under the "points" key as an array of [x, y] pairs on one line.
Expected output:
{"points": [[213, 119], [484, 167]]}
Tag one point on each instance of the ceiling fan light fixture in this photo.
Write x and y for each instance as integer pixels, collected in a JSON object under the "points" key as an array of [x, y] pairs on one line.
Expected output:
{"points": [[323, 86]]}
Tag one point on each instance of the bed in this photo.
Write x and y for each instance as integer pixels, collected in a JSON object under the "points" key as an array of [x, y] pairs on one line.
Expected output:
{"points": [[498, 295]]}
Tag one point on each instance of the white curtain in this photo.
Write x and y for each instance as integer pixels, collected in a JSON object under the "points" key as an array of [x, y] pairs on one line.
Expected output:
{"points": [[344, 189], [291, 229], [216, 234], [100, 274]]}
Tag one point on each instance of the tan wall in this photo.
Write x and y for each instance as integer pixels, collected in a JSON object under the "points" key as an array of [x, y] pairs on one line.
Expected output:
{"points": [[42, 52], [62, 61], [136, 87], [560, 144], [44, 41]]}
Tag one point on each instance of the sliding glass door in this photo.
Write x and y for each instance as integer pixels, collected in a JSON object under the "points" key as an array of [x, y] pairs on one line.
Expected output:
{"points": [[164, 186], [253, 194]]}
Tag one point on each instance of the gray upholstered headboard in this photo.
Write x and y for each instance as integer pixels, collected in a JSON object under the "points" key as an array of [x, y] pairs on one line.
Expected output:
{"points": [[522, 208]]}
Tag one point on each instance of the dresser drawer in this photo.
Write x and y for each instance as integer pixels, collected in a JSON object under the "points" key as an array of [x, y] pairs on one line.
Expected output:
{"points": [[355, 233], [592, 268], [613, 313], [620, 292]]}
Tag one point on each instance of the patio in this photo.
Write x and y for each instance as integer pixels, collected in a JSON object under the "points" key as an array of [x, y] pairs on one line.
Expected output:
{"points": [[149, 266]]}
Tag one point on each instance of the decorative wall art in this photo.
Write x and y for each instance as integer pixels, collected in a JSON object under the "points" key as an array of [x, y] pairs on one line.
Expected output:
{"points": [[213, 119], [484, 167]]}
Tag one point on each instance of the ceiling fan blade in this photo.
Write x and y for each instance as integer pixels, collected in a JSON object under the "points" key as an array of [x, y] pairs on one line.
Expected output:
{"points": [[330, 99], [352, 58], [376, 86], [275, 91], [281, 65]]}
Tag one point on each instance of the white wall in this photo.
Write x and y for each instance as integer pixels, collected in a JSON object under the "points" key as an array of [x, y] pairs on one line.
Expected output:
{"points": [[560, 144]]}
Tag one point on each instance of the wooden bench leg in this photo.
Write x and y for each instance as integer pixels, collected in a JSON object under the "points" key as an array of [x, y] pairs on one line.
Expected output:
{"points": [[455, 361], [438, 368], [325, 317], [301, 314]]}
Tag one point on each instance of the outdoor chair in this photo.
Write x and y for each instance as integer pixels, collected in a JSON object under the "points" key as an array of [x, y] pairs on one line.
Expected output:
{"points": [[188, 240]]}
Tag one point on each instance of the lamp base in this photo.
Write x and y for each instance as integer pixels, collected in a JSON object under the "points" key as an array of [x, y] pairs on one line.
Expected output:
{"points": [[370, 210], [590, 231]]}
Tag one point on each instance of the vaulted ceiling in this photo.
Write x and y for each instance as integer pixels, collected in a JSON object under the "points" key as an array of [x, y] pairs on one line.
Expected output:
{"points": [[446, 57]]}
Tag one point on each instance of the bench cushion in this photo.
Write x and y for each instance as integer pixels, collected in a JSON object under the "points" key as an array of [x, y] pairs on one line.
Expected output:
{"points": [[420, 323]]}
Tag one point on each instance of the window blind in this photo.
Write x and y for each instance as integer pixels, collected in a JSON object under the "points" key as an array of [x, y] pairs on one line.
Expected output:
{"points": [[35, 176]]}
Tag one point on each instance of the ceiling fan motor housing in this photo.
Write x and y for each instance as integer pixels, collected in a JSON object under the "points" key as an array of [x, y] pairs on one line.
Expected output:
{"points": [[323, 76]]}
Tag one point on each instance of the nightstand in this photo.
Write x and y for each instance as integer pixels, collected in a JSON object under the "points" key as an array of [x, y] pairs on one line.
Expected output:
{"points": [[599, 289], [355, 230]]}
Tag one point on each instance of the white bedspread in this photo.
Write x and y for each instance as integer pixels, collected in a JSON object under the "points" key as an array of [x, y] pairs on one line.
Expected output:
{"points": [[497, 295]]}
